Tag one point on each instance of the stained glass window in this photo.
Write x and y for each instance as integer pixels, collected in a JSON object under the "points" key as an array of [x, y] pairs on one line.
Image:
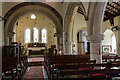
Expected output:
{"points": [[44, 39], [27, 36], [35, 34]]}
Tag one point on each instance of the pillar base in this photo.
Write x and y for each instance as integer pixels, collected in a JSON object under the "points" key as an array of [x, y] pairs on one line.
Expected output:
{"points": [[96, 52]]}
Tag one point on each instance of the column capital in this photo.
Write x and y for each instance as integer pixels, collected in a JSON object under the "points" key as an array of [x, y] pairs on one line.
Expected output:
{"points": [[57, 35], [95, 38]]}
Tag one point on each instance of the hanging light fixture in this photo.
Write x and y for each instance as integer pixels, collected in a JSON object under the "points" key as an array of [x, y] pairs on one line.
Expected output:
{"points": [[33, 16]]}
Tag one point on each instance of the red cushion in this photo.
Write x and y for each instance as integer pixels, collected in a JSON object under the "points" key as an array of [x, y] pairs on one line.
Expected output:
{"points": [[99, 74], [84, 68]]}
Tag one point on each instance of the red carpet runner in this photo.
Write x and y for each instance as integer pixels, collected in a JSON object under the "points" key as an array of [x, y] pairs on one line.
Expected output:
{"points": [[35, 72]]}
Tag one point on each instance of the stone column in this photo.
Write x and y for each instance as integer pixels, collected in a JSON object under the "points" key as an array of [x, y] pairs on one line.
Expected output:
{"points": [[58, 36], [61, 43], [65, 43], [95, 47], [58, 44], [117, 35], [94, 29], [95, 52]]}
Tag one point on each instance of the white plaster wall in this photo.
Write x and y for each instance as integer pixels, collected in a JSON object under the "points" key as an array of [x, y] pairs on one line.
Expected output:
{"points": [[6, 6], [59, 6], [106, 24], [107, 37], [86, 5], [41, 22]]}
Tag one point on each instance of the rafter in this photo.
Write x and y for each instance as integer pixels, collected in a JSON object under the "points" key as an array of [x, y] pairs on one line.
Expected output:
{"points": [[111, 10], [113, 7], [116, 3]]}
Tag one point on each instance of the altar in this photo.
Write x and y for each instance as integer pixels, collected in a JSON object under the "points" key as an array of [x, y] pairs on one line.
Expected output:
{"points": [[36, 48]]}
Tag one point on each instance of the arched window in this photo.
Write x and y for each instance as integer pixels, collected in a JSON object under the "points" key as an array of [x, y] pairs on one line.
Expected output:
{"points": [[27, 36], [44, 39], [35, 34]]}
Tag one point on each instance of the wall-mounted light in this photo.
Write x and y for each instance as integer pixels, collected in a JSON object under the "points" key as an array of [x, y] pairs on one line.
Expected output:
{"points": [[33, 16], [1, 18]]}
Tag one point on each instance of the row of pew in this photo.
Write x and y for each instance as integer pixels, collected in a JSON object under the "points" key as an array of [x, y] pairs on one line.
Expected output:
{"points": [[80, 67], [12, 68], [13, 63]]}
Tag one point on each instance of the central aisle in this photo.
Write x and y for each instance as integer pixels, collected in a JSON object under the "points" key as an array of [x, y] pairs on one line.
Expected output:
{"points": [[35, 72]]}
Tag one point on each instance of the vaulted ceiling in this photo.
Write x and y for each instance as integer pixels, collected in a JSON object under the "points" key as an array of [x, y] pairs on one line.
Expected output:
{"points": [[112, 10]]}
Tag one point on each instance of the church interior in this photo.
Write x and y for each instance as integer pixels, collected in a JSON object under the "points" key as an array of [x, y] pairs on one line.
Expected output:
{"points": [[60, 40]]}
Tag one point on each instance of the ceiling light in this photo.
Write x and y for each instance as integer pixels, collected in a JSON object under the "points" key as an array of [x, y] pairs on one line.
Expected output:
{"points": [[33, 16]]}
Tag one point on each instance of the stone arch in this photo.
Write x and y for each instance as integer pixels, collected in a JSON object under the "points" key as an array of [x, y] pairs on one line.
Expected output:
{"points": [[94, 29], [70, 13], [68, 23], [95, 19], [28, 7]]}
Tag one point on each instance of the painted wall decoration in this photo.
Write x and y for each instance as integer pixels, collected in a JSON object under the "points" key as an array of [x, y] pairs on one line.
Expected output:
{"points": [[42, 22]]}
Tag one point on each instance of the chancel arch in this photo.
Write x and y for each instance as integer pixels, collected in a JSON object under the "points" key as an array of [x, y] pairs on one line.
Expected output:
{"points": [[39, 30], [23, 8]]}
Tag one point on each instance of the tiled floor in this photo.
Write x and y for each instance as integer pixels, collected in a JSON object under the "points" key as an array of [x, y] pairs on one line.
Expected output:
{"points": [[35, 72]]}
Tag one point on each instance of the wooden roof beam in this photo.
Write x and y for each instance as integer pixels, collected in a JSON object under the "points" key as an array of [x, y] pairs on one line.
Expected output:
{"points": [[113, 7], [112, 10], [116, 3]]}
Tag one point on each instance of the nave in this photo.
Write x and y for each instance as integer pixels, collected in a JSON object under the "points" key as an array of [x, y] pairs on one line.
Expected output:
{"points": [[65, 67], [60, 40]]}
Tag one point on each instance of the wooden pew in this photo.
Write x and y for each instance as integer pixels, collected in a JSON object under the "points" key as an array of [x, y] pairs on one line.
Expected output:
{"points": [[50, 61], [88, 73], [8, 64], [70, 70], [12, 55], [23, 64], [78, 67], [111, 58]]}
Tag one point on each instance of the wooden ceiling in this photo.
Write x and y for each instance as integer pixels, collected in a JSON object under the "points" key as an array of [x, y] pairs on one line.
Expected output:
{"points": [[112, 10]]}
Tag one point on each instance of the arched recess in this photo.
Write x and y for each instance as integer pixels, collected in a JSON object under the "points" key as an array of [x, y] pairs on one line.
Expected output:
{"points": [[68, 24], [28, 7], [82, 40], [109, 41]]}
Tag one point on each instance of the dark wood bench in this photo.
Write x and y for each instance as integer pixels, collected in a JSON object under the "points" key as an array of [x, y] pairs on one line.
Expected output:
{"points": [[50, 61], [63, 62], [111, 58], [8, 65], [67, 71]]}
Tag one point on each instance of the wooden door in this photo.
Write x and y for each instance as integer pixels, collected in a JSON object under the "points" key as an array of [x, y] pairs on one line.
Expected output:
{"points": [[81, 48]]}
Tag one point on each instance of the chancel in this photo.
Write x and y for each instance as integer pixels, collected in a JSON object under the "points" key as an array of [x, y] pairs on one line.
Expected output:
{"points": [[60, 40]]}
